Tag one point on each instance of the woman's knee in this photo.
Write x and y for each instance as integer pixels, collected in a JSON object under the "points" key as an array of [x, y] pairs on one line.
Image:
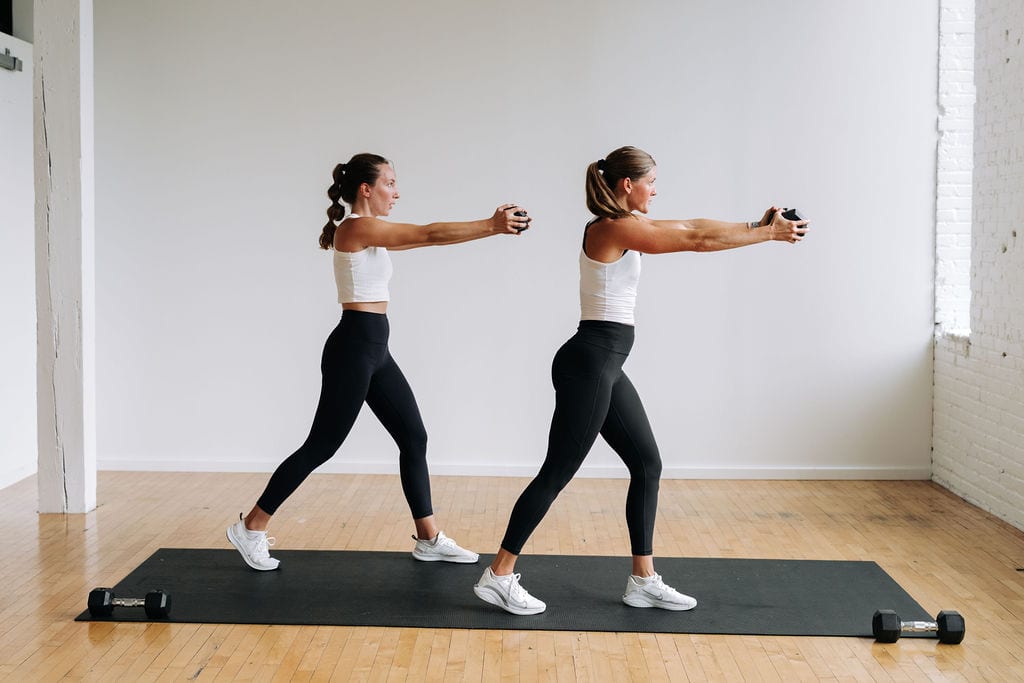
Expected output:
{"points": [[552, 480], [647, 468], [307, 459], [654, 467], [319, 447], [418, 439], [412, 443]]}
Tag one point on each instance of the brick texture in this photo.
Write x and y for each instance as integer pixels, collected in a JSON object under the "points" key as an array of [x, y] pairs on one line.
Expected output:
{"points": [[978, 432], [955, 162]]}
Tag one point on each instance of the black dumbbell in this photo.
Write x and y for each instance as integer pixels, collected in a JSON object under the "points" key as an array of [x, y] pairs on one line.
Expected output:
{"points": [[792, 215], [521, 214], [888, 628], [102, 603]]}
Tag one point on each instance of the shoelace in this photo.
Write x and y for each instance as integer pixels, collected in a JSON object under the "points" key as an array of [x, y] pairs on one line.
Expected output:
{"points": [[446, 543], [515, 591], [262, 550], [658, 582]]}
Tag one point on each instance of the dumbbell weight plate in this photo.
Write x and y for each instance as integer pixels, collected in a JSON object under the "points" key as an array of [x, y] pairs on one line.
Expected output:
{"points": [[158, 605], [885, 625], [951, 627], [101, 602]]}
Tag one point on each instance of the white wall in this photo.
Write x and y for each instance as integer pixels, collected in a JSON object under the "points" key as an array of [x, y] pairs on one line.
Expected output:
{"points": [[979, 380], [18, 449], [955, 161], [217, 125]]}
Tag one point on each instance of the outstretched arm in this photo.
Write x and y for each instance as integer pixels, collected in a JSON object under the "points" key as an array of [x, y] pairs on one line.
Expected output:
{"points": [[365, 231], [517, 224], [699, 234]]}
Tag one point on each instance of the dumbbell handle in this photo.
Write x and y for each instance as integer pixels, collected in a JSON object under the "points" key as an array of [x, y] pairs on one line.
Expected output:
{"points": [[129, 602], [918, 627]]}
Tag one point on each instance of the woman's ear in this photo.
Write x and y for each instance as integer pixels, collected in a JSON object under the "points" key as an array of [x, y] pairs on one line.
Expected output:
{"points": [[364, 189], [626, 184]]}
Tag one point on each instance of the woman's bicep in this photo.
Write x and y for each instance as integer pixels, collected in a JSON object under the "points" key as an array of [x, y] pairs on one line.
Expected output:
{"points": [[373, 232], [656, 237]]}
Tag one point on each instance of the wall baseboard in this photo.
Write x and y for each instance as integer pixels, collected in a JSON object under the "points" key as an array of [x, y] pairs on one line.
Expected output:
{"points": [[596, 471]]}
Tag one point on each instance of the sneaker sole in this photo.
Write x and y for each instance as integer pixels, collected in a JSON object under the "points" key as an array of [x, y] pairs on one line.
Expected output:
{"points": [[446, 558], [491, 598], [231, 538], [643, 602]]}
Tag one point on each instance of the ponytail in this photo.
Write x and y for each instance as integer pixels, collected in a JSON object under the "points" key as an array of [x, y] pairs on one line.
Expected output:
{"points": [[604, 175], [601, 200], [335, 212], [362, 168]]}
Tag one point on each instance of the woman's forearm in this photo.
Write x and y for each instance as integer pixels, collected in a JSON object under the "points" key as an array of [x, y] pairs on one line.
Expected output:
{"points": [[719, 235], [453, 233]]}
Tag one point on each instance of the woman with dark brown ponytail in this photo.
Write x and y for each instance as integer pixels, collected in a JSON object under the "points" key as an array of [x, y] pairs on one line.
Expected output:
{"points": [[356, 365], [592, 394]]}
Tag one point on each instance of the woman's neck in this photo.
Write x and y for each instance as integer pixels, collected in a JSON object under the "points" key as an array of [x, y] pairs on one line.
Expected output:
{"points": [[361, 209]]}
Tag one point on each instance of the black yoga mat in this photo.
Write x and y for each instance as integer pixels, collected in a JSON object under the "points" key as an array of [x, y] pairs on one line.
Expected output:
{"points": [[357, 588]]}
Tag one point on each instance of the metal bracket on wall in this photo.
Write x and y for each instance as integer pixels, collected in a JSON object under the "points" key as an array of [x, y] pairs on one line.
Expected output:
{"points": [[9, 61]]}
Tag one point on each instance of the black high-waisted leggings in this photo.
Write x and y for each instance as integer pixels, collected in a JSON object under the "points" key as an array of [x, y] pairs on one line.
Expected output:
{"points": [[356, 366], [593, 395]]}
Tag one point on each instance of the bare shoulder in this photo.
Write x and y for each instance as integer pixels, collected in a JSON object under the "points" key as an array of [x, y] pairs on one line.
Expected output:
{"points": [[357, 223], [353, 233], [607, 238], [612, 229]]}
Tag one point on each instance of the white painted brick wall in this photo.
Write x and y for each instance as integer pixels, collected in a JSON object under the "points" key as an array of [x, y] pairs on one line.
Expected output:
{"points": [[978, 433], [955, 161]]}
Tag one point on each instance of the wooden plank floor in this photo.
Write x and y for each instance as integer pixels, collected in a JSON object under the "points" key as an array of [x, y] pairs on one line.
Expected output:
{"points": [[944, 552]]}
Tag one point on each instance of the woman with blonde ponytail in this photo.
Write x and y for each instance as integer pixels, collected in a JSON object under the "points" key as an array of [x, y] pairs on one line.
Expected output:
{"points": [[592, 394], [356, 365]]}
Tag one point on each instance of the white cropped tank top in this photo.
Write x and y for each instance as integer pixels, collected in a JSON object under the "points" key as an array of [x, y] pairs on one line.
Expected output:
{"points": [[608, 290], [362, 275]]}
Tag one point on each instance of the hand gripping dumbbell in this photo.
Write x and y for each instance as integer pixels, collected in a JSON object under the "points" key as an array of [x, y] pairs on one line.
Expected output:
{"points": [[888, 628], [792, 215], [102, 603], [521, 214]]}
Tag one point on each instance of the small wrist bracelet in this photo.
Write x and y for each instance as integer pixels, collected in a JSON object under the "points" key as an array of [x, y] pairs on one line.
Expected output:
{"points": [[753, 224]]}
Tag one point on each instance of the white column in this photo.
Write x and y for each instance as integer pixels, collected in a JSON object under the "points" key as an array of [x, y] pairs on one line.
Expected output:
{"points": [[65, 274]]}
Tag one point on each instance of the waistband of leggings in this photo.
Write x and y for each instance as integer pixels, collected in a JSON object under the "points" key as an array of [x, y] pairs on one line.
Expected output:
{"points": [[371, 326], [617, 337]]}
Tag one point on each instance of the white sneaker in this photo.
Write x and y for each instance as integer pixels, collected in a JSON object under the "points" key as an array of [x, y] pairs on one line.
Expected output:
{"points": [[253, 545], [442, 549], [506, 593], [653, 592]]}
